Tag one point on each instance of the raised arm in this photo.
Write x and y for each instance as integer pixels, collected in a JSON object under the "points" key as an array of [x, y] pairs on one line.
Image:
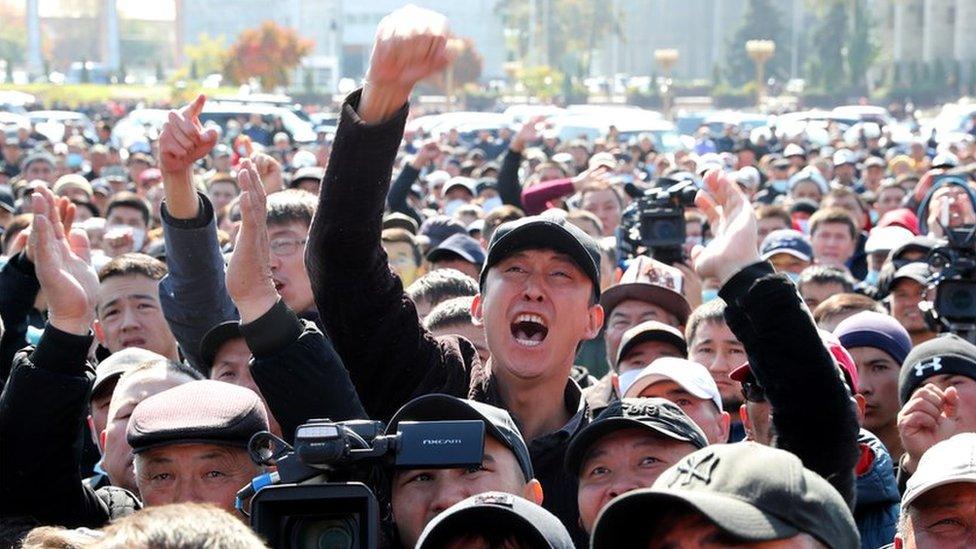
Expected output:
{"points": [[812, 410], [397, 199], [509, 187], [366, 314], [43, 406], [299, 373], [193, 295]]}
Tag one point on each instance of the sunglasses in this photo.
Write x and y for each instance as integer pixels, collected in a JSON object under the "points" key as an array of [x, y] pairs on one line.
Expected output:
{"points": [[753, 392]]}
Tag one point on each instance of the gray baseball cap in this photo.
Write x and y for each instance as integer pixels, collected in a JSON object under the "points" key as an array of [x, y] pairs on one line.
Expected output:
{"points": [[950, 461], [751, 491]]}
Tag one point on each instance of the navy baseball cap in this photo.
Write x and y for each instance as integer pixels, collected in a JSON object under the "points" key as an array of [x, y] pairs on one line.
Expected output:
{"points": [[492, 514], [498, 423], [545, 232], [786, 241], [458, 245]]}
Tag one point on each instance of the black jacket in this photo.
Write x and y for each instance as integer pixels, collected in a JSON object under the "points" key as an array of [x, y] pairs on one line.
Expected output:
{"points": [[42, 412], [374, 326], [813, 412], [18, 291], [43, 408]]}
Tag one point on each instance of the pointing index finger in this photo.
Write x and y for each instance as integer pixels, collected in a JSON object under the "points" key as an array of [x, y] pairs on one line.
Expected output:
{"points": [[192, 111]]}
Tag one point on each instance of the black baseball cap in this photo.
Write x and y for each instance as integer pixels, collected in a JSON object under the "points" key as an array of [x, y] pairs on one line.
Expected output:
{"points": [[203, 411], [498, 423], [439, 228], [657, 415], [494, 513], [458, 246], [651, 330], [751, 491], [545, 232], [215, 338], [946, 354], [7, 201], [916, 270], [397, 220]]}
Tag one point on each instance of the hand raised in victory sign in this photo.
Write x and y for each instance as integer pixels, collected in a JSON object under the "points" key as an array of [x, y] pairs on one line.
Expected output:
{"points": [[410, 45]]}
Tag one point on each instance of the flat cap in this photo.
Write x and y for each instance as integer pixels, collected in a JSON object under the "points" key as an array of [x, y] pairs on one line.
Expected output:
{"points": [[205, 411]]}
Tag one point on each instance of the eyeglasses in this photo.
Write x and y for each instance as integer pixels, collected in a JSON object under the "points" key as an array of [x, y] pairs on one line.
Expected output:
{"points": [[753, 392], [284, 247]]}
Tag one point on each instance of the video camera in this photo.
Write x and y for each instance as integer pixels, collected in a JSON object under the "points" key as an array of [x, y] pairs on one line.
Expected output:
{"points": [[954, 270], [655, 220], [319, 496]]}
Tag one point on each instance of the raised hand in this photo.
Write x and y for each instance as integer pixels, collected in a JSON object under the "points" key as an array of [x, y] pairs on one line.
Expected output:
{"points": [[410, 45], [528, 133], [733, 220], [428, 152], [182, 142], [61, 259], [249, 280], [269, 170], [929, 416]]}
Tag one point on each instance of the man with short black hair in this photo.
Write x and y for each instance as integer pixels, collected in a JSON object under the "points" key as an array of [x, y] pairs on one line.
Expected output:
{"points": [[627, 447], [434, 288], [833, 234], [420, 495], [818, 282]]}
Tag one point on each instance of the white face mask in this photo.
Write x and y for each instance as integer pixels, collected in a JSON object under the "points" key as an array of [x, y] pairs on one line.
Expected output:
{"points": [[138, 239], [453, 205], [492, 203], [626, 379]]}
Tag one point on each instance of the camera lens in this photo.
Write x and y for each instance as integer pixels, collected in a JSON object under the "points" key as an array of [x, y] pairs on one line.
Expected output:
{"points": [[956, 300], [323, 533], [665, 230]]}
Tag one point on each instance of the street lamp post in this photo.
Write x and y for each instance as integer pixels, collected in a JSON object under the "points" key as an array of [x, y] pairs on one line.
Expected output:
{"points": [[760, 51], [666, 59]]}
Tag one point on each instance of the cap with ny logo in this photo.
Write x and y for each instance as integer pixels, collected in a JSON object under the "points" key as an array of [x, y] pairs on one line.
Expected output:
{"points": [[753, 492]]}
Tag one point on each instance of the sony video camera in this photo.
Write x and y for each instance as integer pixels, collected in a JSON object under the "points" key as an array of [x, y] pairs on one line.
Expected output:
{"points": [[320, 494], [655, 220], [954, 270]]}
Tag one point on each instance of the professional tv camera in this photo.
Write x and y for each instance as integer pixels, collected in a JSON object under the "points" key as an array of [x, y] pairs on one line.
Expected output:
{"points": [[319, 496], [655, 220], [954, 269]]}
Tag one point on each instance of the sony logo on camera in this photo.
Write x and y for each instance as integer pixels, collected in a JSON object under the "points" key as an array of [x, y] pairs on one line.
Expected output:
{"points": [[441, 441]]}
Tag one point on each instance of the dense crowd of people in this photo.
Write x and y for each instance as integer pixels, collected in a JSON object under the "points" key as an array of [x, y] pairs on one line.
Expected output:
{"points": [[782, 382]]}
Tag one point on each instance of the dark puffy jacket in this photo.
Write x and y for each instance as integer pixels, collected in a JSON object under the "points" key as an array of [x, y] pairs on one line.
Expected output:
{"points": [[878, 501]]}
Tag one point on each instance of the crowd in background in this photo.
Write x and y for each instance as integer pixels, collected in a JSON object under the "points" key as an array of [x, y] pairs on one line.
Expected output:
{"points": [[782, 379]]}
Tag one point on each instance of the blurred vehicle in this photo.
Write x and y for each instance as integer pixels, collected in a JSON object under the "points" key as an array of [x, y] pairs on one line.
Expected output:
{"points": [[220, 112], [951, 124], [273, 99], [744, 121], [519, 114], [324, 121], [471, 121], [630, 124], [10, 122], [688, 123], [54, 124], [97, 73], [139, 125], [864, 113], [15, 101]]}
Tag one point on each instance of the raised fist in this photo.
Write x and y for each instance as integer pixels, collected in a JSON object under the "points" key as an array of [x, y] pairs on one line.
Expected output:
{"points": [[183, 140], [930, 416], [410, 45]]}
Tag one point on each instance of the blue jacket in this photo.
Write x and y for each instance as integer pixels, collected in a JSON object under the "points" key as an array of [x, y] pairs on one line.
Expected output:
{"points": [[878, 501]]}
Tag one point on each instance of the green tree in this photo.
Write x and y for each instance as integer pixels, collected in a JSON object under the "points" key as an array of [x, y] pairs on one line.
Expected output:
{"points": [[861, 49], [830, 34], [208, 55], [576, 28], [542, 82], [760, 21]]}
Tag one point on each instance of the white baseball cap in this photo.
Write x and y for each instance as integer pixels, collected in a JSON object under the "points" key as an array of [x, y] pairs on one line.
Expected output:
{"points": [[948, 462], [691, 376], [885, 239]]}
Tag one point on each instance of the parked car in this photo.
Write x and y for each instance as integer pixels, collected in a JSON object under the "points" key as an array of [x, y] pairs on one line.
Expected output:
{"points": [[53, 124], [220, 112]]}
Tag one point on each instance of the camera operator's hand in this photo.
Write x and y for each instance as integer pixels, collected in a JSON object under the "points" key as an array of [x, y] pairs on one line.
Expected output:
{"points": [[733, 219], [410, 45], [930, 416], [182, 142], [269, 170], [61, 258], [249, 279], [527, 134]]}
